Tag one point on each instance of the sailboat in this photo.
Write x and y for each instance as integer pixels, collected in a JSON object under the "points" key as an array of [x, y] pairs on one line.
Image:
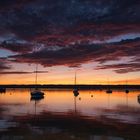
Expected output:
{"points": [[108, 90], [126, 90], [36, 94], [2, 90], [75, 90]]}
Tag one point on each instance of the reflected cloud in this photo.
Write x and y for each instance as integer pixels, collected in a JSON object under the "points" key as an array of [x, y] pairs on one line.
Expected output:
{"points": [[76, 125], [121, 114]]}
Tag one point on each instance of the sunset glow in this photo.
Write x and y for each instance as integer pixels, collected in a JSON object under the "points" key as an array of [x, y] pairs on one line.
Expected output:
{"points": [[99, 40]]}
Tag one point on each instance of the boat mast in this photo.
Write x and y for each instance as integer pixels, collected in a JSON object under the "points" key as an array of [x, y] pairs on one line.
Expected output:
{"points": [[126, 83], [108, 84], [36, 74], [75, 79]]}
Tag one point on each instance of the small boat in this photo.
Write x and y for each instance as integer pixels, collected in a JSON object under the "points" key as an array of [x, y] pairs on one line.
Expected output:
{"points": [[109, 91], [2, 90], [37, 94], [126, 86], [126, 91], [75, 90]]}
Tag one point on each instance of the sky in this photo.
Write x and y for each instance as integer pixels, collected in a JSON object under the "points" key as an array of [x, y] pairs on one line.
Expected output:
{"points": [[97, 39]]}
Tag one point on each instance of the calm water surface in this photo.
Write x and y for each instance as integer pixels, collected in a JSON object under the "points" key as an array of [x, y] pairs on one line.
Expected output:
{"points": [[93, 115]]}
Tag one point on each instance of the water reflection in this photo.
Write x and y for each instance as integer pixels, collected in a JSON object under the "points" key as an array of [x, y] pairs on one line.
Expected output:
{"points": [[36, 100], [127, 99], [76, 94], [108, 92], [139, 98], [63, 115]]}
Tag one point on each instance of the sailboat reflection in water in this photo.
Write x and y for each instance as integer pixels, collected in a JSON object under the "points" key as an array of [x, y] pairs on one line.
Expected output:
{"points": [[37, 94], [36, 99], [139, 98], [76, 94]]}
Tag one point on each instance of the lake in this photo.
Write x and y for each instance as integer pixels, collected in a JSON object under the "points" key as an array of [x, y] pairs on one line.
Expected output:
{"points": [[92, 115]]}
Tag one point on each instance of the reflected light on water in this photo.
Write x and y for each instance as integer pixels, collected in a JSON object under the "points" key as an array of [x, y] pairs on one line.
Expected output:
{"points": [[60, 109], [89, 103]]}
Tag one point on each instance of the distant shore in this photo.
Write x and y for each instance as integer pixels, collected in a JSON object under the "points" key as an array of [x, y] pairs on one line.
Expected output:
{"points": [[73, 86]]}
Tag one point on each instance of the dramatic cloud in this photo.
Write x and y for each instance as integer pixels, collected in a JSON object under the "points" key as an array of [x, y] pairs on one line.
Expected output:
{"points": [[71, 32], [76, 55]]}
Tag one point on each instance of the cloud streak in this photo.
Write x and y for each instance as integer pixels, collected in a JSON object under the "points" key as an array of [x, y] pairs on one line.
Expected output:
{"points": [[4, 65], [122, 68], [19, 72]]}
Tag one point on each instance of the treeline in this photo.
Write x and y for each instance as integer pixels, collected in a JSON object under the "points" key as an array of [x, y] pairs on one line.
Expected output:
{"points": [[73, 86]]}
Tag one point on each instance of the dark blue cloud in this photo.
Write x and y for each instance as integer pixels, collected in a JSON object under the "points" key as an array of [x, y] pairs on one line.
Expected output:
{"points": [[30, 18]]}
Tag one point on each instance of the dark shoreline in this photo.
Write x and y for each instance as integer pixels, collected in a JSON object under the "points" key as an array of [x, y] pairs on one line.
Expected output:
{"points": [[72, 86]]}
